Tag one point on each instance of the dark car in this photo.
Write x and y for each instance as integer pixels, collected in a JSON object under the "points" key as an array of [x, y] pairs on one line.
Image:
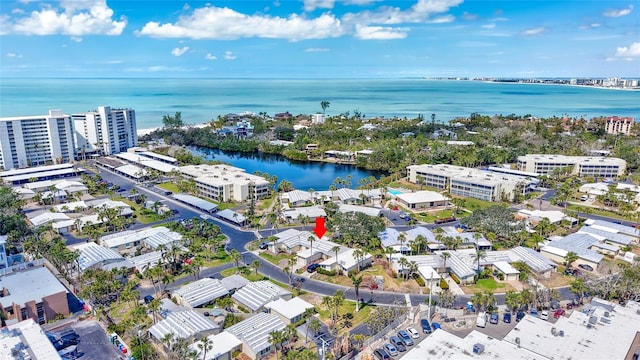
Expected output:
{"points": [[436, 326], [381, 354], [264, 246], [520, 315], [426, 328], [506, 317], [148, 299], [312, 267], [585, 267], [494, 318], [398, 343], [405, 337]]}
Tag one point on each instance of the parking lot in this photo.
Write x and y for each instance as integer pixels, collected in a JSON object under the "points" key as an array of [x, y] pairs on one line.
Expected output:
{"points": [[94, 343]]}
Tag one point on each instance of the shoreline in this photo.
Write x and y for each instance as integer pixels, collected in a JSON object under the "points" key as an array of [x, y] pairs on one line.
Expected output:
{"points": [[147, 131]]}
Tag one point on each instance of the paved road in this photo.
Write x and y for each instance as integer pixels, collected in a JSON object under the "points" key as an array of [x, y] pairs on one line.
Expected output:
{"points": [[239, 238]]}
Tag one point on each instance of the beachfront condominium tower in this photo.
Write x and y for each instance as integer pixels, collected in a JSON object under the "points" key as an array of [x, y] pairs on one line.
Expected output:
{"points": [[36, 140], [105, 131]]}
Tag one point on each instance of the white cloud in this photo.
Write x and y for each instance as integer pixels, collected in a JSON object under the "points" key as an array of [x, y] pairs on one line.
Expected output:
{"points": [[14, 55], [76, 39], [533, 31], [468, 16], [633, 51], [489, 26], [179, 51], [380, 33], [419, 12], [316, 49], [228, 55], [618, 12], [224, 23], [310, 5], [74, 17], [210, 57]]}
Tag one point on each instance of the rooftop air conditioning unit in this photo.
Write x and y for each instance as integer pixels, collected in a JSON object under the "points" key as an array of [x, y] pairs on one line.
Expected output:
{"points": [[478, 349], [561, 333]]}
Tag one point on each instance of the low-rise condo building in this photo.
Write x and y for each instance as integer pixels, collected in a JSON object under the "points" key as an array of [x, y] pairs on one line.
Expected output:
{"points": [[469, 182], [226, 183], [619, 125], [579, 165]]}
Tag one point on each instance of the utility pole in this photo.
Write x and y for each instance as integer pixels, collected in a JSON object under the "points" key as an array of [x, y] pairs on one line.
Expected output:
{"points": [[430, 294]]}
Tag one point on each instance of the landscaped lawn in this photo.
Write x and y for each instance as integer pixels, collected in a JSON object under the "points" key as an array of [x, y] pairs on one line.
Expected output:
{"points": [[347, 307], [170, 186], [596, 211], [274, 259], [490, 285], [487, 284]]}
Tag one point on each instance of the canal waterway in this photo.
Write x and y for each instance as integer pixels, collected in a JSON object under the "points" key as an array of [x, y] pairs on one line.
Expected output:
{"points": [[303, 175]]}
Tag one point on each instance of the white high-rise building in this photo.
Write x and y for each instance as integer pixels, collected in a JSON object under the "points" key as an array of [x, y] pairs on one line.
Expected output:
{"points": [[106, 131], [36, 140]]}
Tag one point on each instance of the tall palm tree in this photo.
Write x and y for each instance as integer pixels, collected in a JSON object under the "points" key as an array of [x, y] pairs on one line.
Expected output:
{"points": [[324, 105], [335, 249], [311, 239], [205, 344], [356, 281], [276, 338], [402, 238], [445, 256], [357, 255], [404, 263], [235, 257], [390, 250], [480, 254], [256, 264]]}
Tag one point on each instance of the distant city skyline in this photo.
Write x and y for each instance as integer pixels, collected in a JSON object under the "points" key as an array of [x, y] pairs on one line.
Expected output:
{"points": [[319, 39]]}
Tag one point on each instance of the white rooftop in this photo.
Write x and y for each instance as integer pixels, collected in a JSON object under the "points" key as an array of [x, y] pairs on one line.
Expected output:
{"points": [[223, 343], [444, 345], [152, 236], [371, 211], [201, 292], [256, 294], [28, 285], [47, 217], [182, 324], [607, 337], [92, 254], [419, 197], [254, 331], [289, 308], [505, 268], [29, 341], [148, 260]]}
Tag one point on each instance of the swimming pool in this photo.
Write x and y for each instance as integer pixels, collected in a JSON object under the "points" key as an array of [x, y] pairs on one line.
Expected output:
{"points": [[394, 192]]}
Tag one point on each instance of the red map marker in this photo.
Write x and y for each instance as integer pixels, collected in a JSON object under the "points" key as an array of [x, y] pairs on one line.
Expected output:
{"points": [[320, 230]]}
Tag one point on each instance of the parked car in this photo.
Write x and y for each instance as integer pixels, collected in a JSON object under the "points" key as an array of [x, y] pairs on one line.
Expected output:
{"points": [[544, 315], [520, 315], [148, 299], [569, 306], [413, 332], [312, 267], [583, 198], [435, 326], [391, 349], [399, 344], [494, 318], [585, 267], [426, 328], [264, 246], [506, 317], [381, 354], [533, 312], [406, 339], [481, 321], [558, 313]]}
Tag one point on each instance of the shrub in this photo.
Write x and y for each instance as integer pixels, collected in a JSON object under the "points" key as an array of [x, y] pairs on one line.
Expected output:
{"points": [[419, 279], [455, 278], [443, 284], [501, 276], [243, 309], [325, 272]]}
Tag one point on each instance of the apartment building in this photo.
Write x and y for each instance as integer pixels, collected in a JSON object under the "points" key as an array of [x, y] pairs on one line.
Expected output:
{"points": [[35, 294], [619, 125], [105, 130], [36, 140], [469, 182], [226, 183], [580, 165]]}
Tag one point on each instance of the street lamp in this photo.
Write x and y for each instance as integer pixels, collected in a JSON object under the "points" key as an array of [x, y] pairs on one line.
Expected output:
{"points": [[430, 293]]}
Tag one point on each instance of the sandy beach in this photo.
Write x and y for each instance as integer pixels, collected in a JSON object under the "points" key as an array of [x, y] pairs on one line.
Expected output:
{"points": [[142, 132]]}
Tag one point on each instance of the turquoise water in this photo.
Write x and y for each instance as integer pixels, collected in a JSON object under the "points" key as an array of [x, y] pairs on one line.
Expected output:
{"points": [[394, 192], [201, 100]]}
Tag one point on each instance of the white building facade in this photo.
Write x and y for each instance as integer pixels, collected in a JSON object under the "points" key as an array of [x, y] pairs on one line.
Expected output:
{"points": [[106, 130], [36, 140], [580, 165]]}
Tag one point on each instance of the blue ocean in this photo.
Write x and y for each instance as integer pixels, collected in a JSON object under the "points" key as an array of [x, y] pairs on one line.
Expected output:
{"points": [[200, 100]]}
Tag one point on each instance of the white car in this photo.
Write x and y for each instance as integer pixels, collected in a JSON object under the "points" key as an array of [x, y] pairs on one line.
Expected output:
{"points": [[544, 315], [413, 332], [481, 321]]}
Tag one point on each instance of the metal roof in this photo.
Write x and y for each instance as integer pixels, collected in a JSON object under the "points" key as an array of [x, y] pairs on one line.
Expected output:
{"points": [[601, 234], [201, 292], [346, 208], [234, 282], [579, 244], [196, 202], [289, 308], [92, 254], [228, 214], [182, 324], [256, 294], [254, 332], [532, 258]]}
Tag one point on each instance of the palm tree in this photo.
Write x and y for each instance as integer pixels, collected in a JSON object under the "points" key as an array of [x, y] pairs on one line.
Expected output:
{"points": [[311, 239], [570, 258], [154, 306], [401, 239], [404, 263], [235, 257], [256, 264], [335, 249], [276, 338], [205, 344], [480, 254], [445, 255], [579, 287], [390, 250], [356, 281], [324, 105], [357, 255]]}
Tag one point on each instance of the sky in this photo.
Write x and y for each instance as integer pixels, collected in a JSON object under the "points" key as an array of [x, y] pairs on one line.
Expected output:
{"points": [[319, 38]]}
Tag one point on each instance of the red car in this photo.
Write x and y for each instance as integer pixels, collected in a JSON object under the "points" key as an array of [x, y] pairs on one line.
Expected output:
{"points": [[558, 313]]}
